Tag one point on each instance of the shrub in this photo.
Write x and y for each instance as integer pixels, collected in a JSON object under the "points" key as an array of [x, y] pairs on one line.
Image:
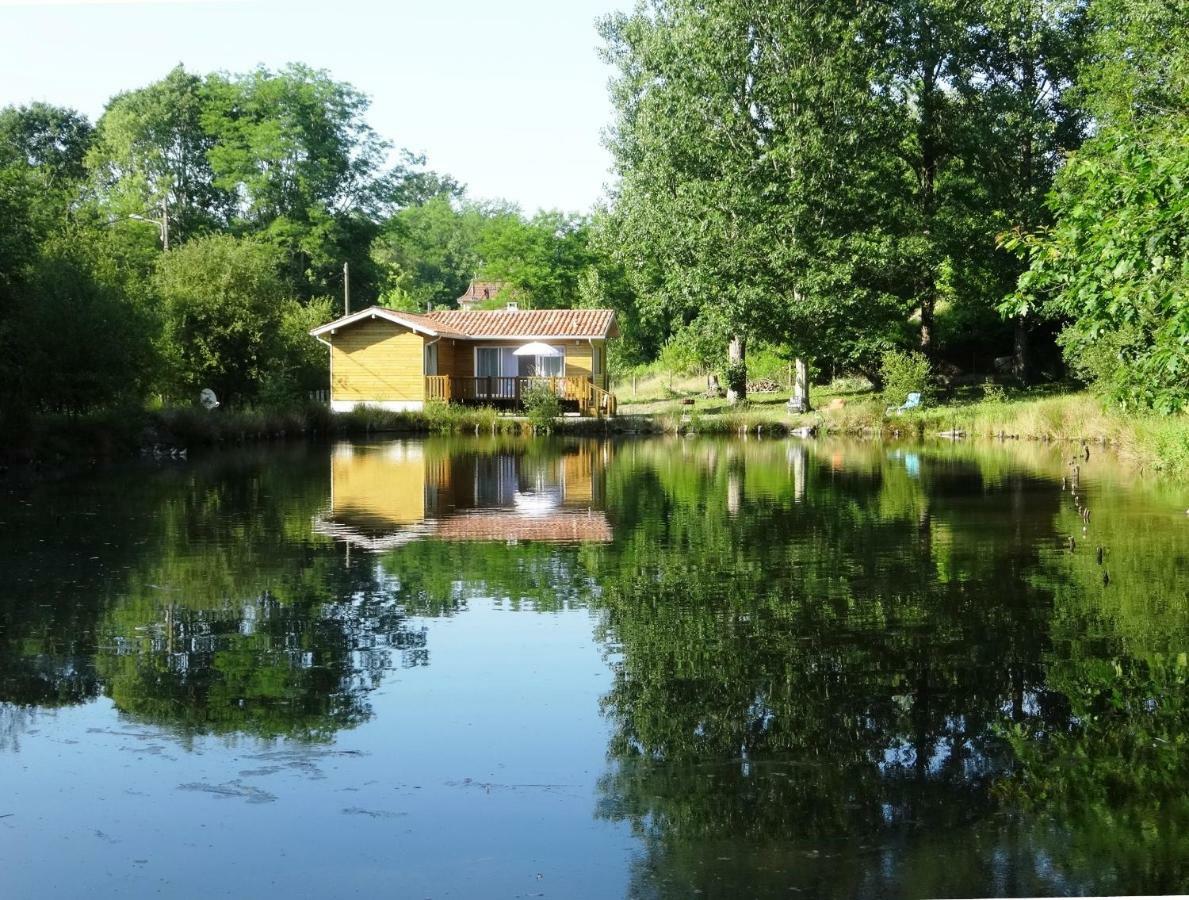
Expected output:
{"points": [[905, 373], [735, 377], [542, 406], [994, 393]]}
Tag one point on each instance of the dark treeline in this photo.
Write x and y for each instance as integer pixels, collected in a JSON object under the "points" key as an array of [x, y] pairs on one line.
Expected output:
{"points": [[831, 180]]}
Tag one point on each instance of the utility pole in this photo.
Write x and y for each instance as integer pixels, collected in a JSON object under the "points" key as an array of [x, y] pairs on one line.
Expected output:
{"points": [[346, 289], [165, 223]]}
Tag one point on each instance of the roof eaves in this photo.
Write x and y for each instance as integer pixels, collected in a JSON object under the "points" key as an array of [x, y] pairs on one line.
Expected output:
{"points": [[372, 312]]}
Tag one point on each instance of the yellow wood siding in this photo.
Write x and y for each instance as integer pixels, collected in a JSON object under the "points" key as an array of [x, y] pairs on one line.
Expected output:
{"points": [[376, 489], [446, 356], [577, 469], [578, 359], [377, 360]]}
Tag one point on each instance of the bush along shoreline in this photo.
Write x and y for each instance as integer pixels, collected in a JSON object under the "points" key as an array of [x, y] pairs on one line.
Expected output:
{"points": [[172, 432], [1147, 441]]}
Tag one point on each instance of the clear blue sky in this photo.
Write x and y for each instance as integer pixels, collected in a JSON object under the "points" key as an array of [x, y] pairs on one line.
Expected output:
{"points": [[510, 97]]}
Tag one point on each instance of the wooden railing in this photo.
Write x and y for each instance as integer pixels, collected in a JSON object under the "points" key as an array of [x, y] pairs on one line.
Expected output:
{"points": [[508, 391], [437, 387], [602, 403]]}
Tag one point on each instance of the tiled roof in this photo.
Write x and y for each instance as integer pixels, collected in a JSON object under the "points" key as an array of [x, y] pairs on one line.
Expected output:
{"points": [[525, 323], [427, 323], [530, 324], [559, 527], [562, 526]]}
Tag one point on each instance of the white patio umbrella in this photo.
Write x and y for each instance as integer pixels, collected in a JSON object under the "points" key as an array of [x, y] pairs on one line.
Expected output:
{"points": [[536, 348]]}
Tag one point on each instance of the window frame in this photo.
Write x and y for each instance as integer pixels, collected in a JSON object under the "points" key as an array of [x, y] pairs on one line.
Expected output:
{"points": [[500, 348]]}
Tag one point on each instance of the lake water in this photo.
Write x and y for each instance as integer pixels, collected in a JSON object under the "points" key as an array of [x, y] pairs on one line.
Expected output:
{"points": [[653, 668]]}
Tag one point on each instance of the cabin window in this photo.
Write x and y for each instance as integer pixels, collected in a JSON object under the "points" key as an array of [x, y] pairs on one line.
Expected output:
{"points": [[502, 362], [494, 362], [549, 366], [496, 481], [594, 361], [431, 359]]}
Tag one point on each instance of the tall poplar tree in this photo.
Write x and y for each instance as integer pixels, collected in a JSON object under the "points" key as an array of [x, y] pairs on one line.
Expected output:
{"points": [[151, 162], [752, 155]]}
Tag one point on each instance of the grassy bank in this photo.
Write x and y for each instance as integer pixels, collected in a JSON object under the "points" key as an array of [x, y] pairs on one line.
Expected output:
{"points": [[845, 407], [849, 406], [113, 434]]}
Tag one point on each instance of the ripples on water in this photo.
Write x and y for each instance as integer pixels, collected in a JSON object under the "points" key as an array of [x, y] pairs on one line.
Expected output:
{"points": [[637, 669]]}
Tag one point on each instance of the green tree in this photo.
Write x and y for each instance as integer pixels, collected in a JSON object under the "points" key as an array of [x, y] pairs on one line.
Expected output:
{"points": [[428, 252], [689, 142], [151, 159], [300, 364], [63, 277], [71, 300], [757, 170], [543, 257], [1114, 264], [221, 302], [309, 173], [52, 139], [1026, 57]]}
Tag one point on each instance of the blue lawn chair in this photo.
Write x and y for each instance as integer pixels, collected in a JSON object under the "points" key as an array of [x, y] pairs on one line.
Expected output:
{"points": [[913, 402]]}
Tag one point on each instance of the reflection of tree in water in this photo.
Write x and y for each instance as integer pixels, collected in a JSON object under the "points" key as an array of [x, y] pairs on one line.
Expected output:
{"points": [[247, 623], [853, 673], [216, 610], [816, 692], [258, 667], [15, 720], [201, 599]]}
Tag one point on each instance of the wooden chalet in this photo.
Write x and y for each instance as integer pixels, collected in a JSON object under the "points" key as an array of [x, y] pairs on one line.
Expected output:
{"points": [[400, 361]]}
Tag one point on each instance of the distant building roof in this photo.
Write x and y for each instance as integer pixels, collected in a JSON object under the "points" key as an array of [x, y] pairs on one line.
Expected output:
{"points": [[478, 292], [507, 324]]}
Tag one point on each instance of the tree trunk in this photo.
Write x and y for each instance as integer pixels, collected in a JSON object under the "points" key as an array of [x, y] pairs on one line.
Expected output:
{"points": [[930, 163], [737, 369], [800, 399], [1020, 349], [927, 319], [1029, 204]]}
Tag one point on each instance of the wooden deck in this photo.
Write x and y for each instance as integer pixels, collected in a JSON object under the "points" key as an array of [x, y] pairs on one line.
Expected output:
{"points": [[580, 394]]}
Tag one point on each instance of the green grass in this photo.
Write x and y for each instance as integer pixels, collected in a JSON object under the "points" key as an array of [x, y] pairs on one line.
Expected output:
{"points": [[109, 434], [849, 406], [846, 406]]}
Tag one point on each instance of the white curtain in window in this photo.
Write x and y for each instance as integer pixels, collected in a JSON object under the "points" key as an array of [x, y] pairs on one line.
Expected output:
{"points": [[502, 361], [551, 366], [487, 362]]}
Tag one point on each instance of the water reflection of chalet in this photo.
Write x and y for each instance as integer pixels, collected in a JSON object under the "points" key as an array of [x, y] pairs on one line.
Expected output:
{"points": [[383, 496]]}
